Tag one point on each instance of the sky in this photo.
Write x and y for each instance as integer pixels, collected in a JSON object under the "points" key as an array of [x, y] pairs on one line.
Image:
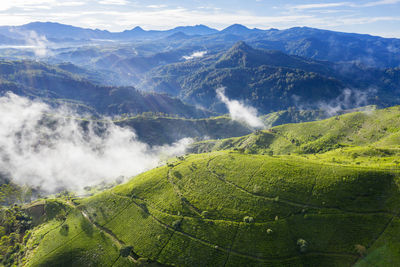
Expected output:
{"points": [[376, 17]]}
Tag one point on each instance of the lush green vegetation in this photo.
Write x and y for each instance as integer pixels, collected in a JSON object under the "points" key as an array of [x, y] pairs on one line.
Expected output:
{"points": [[290, 196], [232, 208], [369, 137], [272, 81], [159, 130], [56, 85]]}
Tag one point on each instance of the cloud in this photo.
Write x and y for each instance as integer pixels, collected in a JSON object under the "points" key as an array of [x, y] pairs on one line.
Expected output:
{"points": [[157, 6], [348, 99], [55, 152], [319, 5], [379, 3], [239, 112], [114, 2], [198, 54], [343, 4], [38, 43], [32, 4], [70, 4]]}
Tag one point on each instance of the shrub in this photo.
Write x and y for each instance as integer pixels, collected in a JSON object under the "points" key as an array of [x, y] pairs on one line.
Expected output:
{"points": [[248, 219], [177, 224], [302, 244], [256, 189], [177, 174], [361, 250], [125, 251]]}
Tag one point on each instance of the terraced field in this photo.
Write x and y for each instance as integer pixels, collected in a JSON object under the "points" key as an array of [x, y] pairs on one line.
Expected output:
{"points": [[230, 209]]}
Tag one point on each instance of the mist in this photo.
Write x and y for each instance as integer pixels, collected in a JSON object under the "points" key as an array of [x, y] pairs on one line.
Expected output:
{"points": [[240, 112], [348, 99], [38, 43], [46, 148], [198, 54]]}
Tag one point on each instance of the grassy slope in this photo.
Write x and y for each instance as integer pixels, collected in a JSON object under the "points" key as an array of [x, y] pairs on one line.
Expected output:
{"points": [[166, 130], [361, 138], [192, 212]]}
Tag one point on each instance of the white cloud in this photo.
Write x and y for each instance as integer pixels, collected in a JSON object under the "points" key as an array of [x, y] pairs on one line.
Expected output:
{"points": [[113, 2], [320, 5], [240, 112], [379, 3], [157, 6], [343, 4], [33, 4], [71, 4], [56, 152], [197, 54]]}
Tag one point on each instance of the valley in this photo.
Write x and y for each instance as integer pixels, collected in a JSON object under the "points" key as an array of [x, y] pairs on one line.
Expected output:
{"points": [[196, 146]]}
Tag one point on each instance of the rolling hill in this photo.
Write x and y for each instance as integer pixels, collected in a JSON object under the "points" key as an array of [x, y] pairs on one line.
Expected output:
{"points": [[241, 206], [59, 84], [272, 81]]}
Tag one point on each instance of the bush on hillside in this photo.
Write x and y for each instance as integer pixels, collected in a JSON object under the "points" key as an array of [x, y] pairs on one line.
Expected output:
{"points": [[125, 251], [248, 219]]}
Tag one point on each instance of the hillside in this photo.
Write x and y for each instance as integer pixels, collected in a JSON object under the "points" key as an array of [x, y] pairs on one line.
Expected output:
{"points": [[56, 84], [166, 130], [201, 210], [376, 128], [242, 206], [272, 81]]}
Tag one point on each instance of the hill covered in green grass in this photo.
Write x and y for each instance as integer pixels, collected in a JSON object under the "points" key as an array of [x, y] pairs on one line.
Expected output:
{"points": [[159, 130], [272, 198], [365, 129]]}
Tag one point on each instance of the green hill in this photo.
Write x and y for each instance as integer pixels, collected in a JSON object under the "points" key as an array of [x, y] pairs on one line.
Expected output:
{"points": [[55, 84], [367, 129], [239, 207], [166, 130]]}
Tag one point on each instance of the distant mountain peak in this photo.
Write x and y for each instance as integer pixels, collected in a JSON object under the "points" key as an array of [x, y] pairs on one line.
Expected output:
{"points": [[138, 29], [237, 26], [199, 29], [241, 45], [239, 29]]}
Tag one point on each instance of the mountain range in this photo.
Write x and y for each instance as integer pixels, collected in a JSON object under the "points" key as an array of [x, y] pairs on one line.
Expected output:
{"points": [[303, 41]]}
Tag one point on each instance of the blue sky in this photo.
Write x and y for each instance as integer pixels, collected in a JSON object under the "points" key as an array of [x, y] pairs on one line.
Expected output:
{"points": [[377, 17]]}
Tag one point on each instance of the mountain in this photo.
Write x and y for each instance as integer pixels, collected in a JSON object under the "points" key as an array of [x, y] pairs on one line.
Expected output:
{"points": [[51, 83], [158, 130], [238, 207], [238, 29], [53, 31], [194, 30], [60, 32], [271, 81], [318, 44], [335, 46]]}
